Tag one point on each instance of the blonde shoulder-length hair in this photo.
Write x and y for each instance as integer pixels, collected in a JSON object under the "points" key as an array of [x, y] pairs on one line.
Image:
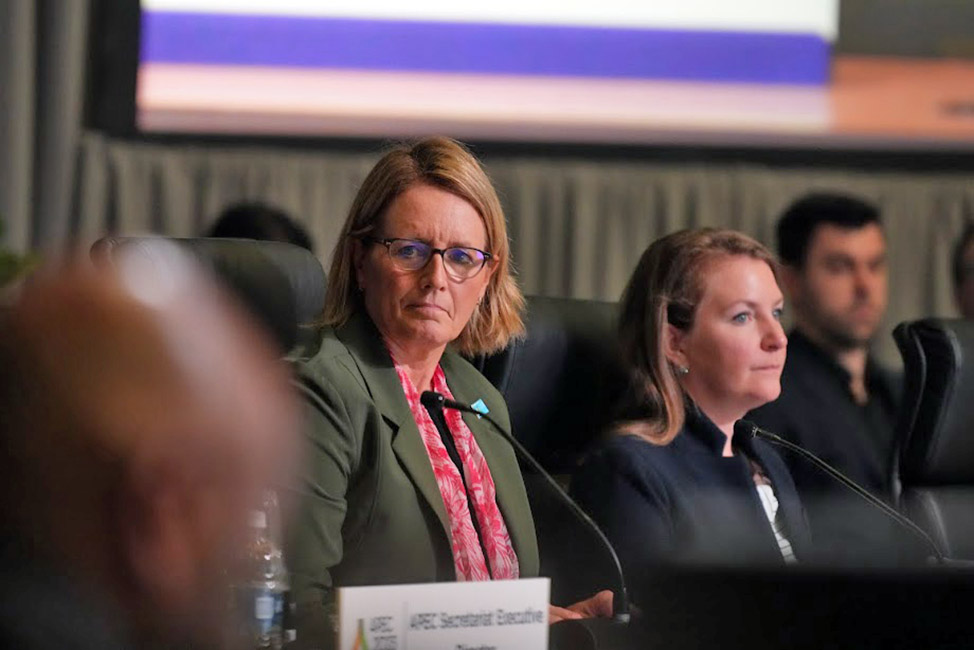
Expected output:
{"points": [[448, 165], [666, 288]]}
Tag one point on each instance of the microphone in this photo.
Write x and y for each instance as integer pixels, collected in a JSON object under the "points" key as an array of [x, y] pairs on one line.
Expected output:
{"points": [[620, 601], [746, 430]]}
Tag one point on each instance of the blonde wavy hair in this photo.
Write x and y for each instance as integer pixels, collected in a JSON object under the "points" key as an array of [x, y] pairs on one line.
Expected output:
{"points": [[447, 165]]}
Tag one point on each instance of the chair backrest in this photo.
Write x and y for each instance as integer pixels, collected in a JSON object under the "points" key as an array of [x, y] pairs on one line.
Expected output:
{"points": [[560, 379], [559, 382], [281, 285], [934, 460], [914, 377]]}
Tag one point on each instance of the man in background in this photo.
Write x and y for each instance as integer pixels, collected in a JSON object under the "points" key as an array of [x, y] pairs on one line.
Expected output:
{"points": [[140, 418], [836, 400], [262, 222]]}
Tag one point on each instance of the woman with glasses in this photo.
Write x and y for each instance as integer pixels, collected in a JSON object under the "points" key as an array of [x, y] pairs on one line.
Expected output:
{"points": [[396, 493]]}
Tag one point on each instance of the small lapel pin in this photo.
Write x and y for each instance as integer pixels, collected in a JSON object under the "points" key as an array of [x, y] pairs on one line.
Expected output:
{"points": [[480, 407]]}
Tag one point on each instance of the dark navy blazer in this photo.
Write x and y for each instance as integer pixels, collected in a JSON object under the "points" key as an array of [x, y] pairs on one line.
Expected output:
{"points": [[685, 502], [816, 410]]}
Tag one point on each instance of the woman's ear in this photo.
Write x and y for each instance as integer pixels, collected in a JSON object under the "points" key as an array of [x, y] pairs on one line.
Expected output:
{"points": [[489, 272], [674, 341]]}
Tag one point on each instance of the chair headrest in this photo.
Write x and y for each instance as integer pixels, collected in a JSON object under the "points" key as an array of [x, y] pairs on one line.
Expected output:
{"points": [[561, 378], [939, 446], [282, 285]]}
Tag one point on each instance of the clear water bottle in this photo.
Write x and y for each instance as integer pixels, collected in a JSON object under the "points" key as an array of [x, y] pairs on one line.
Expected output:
{"points": [[265, 594]]}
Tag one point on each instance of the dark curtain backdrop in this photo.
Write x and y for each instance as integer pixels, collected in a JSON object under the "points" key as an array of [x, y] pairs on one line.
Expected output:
{"points": [[577, 226]]}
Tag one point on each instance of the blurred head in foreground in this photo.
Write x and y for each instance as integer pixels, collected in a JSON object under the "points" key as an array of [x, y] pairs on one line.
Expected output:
{"points": [[140, 416]]}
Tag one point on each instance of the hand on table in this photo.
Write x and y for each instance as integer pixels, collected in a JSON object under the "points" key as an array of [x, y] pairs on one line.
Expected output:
{"points": [[598, 606]]}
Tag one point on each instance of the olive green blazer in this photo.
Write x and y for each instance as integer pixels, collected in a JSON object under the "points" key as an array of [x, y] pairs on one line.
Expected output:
{"points": [[369, 510]]}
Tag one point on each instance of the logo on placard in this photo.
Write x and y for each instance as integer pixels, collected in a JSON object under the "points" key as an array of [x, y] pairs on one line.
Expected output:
{"points": [[361, 643], [381, 631]]}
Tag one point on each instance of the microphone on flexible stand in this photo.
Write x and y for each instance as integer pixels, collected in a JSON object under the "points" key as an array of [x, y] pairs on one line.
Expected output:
{"points": [[620, 601], [743, 429]]}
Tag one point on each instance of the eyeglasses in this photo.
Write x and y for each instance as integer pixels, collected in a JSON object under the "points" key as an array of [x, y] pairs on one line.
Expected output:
{"points": [[461, 263]]}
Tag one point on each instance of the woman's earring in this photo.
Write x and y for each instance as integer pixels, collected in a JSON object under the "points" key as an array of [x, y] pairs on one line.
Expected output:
{"points": [[682, 371]]}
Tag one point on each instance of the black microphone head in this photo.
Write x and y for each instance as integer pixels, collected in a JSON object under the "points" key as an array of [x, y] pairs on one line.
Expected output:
{"points": [[431, 399], [745, 430]]}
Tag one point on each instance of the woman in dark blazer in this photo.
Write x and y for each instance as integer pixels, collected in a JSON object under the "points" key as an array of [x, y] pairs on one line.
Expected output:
{"points": [[700, 326], [395, 493]]}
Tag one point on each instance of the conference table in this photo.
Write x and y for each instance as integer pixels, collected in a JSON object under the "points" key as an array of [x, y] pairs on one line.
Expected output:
{"points": [[684, 608]]}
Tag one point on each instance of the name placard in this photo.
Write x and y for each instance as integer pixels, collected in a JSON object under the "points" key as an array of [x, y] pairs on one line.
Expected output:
{"points": [[492, 615]]}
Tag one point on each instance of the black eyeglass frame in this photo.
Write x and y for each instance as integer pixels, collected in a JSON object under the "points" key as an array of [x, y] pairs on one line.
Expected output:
{"points": [[389, 241]]}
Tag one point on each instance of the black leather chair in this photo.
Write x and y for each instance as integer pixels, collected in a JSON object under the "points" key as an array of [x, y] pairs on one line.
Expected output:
{"points": [[934, 463], [560, 379], [281, 285], [559, 382]]}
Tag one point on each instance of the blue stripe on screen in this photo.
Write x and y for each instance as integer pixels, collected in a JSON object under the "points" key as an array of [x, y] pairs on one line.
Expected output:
{"points": [[192, 38]]}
